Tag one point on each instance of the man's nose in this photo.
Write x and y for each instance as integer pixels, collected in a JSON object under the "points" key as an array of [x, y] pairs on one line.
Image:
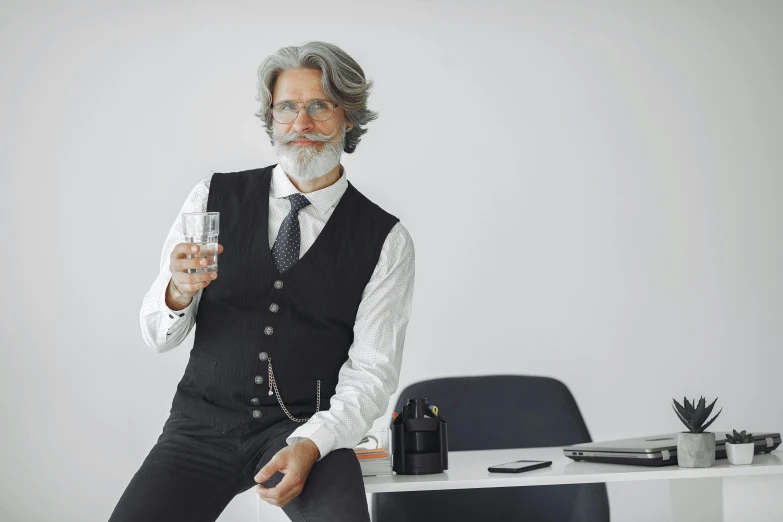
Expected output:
{"points": [[303, 122]]}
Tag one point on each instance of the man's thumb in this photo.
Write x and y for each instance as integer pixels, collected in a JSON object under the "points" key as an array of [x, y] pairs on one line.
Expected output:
{"points": [[267, 471], [263, 474]]}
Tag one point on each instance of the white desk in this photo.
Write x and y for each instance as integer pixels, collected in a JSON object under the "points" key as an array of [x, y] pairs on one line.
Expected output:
{"points": [[721, 493]]}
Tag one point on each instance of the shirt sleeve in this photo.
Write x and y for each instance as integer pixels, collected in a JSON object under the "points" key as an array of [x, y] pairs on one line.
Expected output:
{"points": [[371, 374], [162, 328]]}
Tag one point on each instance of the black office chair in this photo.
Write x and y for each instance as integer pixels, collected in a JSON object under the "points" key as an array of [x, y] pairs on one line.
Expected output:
{"points": [[499, 412]]}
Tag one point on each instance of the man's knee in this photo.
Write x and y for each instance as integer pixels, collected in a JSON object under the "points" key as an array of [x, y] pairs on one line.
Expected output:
{"points": [[334, 491]]}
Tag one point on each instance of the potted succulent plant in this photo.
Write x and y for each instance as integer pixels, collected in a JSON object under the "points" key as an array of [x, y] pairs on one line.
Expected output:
{"points": [[740, 448], [696, 447]]}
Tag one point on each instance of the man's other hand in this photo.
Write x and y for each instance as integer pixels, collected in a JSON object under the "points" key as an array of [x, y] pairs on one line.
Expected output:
{"points": [[295, 462]]}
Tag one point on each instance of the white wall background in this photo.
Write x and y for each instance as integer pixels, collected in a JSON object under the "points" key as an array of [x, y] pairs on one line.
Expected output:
{"points": [[609, 193]]}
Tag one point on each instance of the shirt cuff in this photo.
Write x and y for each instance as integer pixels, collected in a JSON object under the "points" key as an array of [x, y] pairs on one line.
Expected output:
{"points": [[322, 436], [170, 317]]}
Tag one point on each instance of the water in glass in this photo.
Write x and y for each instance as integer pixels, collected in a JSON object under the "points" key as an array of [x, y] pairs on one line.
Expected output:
{"points": [[208, 251]]}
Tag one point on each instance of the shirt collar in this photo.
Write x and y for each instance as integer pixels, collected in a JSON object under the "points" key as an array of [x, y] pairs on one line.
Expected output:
{"points": [[322, 199]]}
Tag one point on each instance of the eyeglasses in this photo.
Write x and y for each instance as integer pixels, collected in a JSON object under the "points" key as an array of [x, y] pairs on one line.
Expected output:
{"points": [[319, 110]]}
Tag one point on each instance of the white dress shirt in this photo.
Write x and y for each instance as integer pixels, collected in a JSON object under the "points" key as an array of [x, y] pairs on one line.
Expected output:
{"points": [[371, 374]]}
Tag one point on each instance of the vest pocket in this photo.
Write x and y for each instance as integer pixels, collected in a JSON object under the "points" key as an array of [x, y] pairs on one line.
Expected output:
{"points": [[202, 364], [197, 381]]}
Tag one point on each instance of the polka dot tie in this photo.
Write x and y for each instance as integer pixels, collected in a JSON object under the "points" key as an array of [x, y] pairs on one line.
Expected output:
{"points": [[285, 251]]}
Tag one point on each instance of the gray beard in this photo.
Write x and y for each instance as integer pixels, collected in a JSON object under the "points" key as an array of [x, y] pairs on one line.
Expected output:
{"points": [[305, 163]]}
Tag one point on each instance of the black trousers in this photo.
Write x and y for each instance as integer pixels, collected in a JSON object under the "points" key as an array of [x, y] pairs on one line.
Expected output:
{"points": [[193, 472]]}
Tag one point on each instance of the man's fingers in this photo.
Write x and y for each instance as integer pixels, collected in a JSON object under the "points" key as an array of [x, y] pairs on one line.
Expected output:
{"points": [[294, 489], [181, 264], [275, 495], [295, 469], [192, 288], [180, 274], [184, 248], [267, 471], [288, 489]]}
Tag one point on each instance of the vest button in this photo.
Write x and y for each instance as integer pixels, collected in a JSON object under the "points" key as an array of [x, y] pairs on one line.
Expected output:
{"points": [[257, 414], [255, 401], [278, 284], [259, 379], [263, 356], [268, 330], [274, 308]]}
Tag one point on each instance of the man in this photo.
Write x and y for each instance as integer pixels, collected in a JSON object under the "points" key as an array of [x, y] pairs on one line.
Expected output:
{"points": [[299, 340]]}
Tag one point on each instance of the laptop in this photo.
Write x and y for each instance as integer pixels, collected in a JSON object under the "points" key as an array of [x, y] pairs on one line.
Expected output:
{"points": [[658, 450]]}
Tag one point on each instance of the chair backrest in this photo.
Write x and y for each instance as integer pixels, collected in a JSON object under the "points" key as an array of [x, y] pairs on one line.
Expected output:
{"points": [[499, 412]]}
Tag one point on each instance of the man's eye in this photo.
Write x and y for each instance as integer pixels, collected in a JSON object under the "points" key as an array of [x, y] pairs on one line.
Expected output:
{"points": [[288, 107], [317, 106]]}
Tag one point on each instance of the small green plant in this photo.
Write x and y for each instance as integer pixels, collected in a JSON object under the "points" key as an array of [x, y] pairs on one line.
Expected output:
{"points": [[694, 415], [739, 438]]}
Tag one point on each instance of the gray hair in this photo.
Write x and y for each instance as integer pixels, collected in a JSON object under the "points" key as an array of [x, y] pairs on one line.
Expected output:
{"points": [[342, 80]]}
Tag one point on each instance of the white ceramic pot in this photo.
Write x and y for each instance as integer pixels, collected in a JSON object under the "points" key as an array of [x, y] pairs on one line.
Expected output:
{"points": [[740, 454], [696, 450]]}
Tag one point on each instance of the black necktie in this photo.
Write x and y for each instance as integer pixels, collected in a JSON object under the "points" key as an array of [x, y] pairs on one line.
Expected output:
{"points": [[285, 251]]}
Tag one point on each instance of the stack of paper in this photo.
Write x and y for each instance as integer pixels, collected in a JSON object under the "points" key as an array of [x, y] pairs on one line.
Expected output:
{"points": [[374, 453], [374, 462]]}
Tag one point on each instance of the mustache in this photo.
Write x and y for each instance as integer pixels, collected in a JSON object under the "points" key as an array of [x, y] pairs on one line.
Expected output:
{"points": [[288, 137]]}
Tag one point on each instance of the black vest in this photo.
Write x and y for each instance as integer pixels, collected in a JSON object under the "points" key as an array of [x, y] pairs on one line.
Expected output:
{"points": [[302, 320]]}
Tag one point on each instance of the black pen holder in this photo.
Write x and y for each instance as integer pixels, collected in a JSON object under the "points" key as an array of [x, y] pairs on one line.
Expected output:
{"points": [[420, 444]]}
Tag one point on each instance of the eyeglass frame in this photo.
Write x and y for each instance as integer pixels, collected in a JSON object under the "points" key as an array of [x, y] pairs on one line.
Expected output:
{"points": [[299, 109]]}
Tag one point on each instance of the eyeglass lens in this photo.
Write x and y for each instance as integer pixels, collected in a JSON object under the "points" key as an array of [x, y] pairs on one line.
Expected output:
{"points": [[286, 112]]}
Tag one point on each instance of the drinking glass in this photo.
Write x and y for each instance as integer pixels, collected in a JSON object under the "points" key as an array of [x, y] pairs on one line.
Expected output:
{"points": [[202, 228]]}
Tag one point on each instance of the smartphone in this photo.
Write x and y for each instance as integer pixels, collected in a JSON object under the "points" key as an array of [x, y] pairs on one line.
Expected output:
{"points": [[519, 466]]}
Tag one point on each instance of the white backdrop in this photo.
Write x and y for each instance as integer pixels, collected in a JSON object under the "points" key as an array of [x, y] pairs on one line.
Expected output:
{"points": [[608, 208]]}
